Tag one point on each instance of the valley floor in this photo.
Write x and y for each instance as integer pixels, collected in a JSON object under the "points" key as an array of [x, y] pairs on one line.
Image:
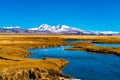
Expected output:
{"points": [[15, 64]]}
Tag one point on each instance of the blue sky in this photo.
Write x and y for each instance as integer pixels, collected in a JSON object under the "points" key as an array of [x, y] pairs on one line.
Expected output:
{"points": [[96, 15]]}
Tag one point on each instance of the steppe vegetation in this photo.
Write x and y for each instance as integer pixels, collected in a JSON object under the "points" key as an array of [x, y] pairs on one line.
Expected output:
{"points": [[90, 47], [15, 64]]}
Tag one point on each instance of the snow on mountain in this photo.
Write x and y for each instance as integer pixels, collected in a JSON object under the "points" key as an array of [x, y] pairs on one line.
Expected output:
{"points": [[109, 32], [58, 28], [11, 27], [61, 28], [64, 29], [106, 33], [42, 27], [45, 27], [33, 29]]}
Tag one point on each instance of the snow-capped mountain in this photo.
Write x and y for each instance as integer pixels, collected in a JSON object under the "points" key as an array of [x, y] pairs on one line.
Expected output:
{"points": [[42, 27], [106, 33], [59, 29], [11, 27]]}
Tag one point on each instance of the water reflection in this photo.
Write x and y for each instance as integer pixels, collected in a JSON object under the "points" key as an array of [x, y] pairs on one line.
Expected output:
{"points": [[96, 44], [107, 45]]}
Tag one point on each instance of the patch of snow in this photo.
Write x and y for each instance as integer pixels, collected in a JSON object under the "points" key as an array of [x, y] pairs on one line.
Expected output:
{"points": [[11, 27]]}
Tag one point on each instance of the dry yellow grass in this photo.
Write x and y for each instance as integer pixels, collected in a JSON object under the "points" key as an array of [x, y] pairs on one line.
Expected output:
{"points": [[100, 39], [14, 54], [89, 47]]}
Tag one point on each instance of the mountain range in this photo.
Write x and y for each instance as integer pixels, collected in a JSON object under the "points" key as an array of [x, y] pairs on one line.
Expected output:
{"points": [[59, 29]]}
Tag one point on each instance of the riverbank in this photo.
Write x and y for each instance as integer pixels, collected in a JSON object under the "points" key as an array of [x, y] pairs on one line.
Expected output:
{"points": [[15, 64], [90, 47]]}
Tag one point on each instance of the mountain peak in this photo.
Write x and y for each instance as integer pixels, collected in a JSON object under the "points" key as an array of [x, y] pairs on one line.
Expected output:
{"points": [[63, 26], [44, 25], [58, 29]]}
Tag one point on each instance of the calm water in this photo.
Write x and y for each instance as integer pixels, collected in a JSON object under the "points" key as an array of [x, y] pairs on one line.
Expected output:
{"points": [[107, 45], [96, 44], [84, 65], [72, 40]]}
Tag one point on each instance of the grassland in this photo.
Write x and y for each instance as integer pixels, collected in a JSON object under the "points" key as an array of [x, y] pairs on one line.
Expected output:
{"points": [[90, 47], [14, 61], [15, 64]]}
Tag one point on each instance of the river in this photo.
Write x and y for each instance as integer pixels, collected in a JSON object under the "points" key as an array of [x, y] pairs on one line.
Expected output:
{"points": [[83, 65]]}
